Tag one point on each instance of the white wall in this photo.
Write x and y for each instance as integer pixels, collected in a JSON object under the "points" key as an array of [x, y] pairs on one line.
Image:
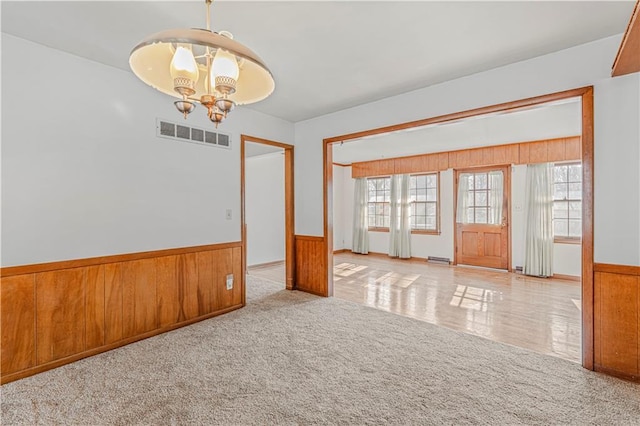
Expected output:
{"points": [[342, 208], [264, 208], [617, 133], [83, 173]]}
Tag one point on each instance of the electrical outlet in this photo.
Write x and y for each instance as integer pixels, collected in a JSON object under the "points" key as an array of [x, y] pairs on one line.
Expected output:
{"points": [[229, 281], [229, 214]]}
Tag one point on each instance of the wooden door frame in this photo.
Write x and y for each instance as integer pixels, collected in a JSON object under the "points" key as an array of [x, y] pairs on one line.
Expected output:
{"points": [[289, 202], [506, 197], [586, 95]]}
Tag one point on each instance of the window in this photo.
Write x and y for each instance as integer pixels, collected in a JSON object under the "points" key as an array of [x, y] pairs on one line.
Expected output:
{"points": [[567, 201], [480, 197], [423, 192], [379, 199]]}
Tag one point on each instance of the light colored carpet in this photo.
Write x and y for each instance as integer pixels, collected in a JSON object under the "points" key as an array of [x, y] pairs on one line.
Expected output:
{"points": [[292, 358]]}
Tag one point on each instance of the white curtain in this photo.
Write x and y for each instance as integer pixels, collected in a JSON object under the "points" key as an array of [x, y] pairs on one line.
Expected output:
{"points": [[463, 198], [538, 259], [399, 225], [360, 242], [496, 193]]}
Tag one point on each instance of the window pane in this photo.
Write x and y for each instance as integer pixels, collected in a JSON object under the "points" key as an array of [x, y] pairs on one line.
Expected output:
{"points": [[371, 209], [421, 195], [470, 218], [412, 222], [431, 223], [481, 181], [575, 228], [379, 209], [431, 209], [385, 223], [560, 174], [560, 209], [575, 191], [387, 209], [575, 210], [471, 180], [481, 215], [560, 191], [575, 173], [431, 181], [431, 195], [387, 195], [379, 221], [481, 198], [470, 198], [421, 209], [420, 221], [560, 228]]}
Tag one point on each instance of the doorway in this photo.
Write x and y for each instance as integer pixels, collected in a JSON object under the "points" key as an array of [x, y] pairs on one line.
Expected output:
{"points": [[277, 148], [482, 217], [585, 150]]}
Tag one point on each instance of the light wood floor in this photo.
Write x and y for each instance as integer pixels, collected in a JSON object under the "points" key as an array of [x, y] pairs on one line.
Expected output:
{"points": [[539, 314]]}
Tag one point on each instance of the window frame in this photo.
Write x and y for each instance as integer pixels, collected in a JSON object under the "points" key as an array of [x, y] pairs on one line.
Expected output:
{"points": [[567, 239], [436, 231], [437, 202], [378, 228]]}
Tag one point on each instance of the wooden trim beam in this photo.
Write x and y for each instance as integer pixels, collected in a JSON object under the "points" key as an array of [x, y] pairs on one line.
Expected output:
{"points": [[628, 58], [617, 269], [93, 261], [289, 201]]}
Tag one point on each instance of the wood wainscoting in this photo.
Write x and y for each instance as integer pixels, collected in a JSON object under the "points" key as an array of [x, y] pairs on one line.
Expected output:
{"points": [[617, 320], [311, 265], [56, 313]]}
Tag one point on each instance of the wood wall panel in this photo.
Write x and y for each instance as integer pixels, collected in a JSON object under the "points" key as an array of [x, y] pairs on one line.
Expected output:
{"points": [[50, 318], [168, 291], [552, 150], [373, 168], [573, 149], [628, 58], [139, 298], [311, 268], [94, 307], [207, 278], [60, 314], [190, 285], [617, 320], [18, 316], [113, 319]]}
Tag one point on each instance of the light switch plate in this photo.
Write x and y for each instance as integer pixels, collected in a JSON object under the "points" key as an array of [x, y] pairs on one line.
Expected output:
{"points": [[229, 281]]}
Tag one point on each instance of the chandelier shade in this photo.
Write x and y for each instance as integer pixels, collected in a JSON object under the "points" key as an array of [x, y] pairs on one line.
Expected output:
{"points": [[201, 66], [150, 60]]}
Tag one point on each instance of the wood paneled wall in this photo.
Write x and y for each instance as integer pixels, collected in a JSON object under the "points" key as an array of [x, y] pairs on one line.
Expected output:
{"points": [[543, 151], [617, 320], [53, 314], [311, 265]]}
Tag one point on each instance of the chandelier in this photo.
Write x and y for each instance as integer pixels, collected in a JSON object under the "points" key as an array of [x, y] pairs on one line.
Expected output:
{"points": [[202, 66]]}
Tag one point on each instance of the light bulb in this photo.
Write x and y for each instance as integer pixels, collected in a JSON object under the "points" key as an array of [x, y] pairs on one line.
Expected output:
{"points": [[184, 71], [225, 72]]}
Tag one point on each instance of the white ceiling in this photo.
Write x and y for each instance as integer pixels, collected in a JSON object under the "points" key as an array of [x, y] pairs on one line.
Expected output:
{"points": [[554, 120], [328, 56]]}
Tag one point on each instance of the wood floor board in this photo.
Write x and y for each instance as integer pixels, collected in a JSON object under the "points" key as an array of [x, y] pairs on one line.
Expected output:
{"points": [[535, 313]]}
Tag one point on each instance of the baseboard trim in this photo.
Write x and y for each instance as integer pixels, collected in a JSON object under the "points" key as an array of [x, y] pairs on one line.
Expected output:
{"points": [[76, 357], [567, 277], [341, 251], [92, 261], [619, 374]]}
